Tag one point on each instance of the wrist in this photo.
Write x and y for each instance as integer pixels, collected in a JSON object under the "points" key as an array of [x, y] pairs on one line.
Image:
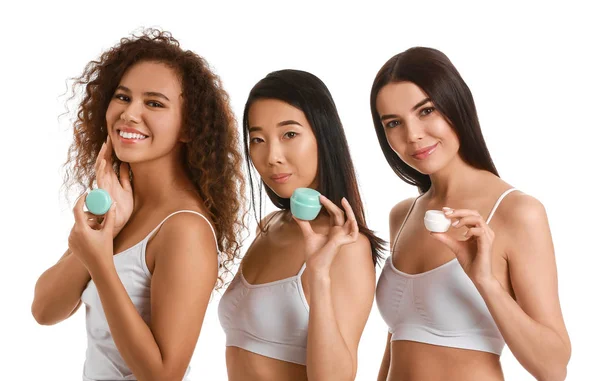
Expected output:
{"points": [[487, 285]]}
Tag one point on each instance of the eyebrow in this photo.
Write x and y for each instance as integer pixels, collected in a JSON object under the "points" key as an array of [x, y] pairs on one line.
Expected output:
{"points": [[280, 124], [148, 93], [392, 116]]}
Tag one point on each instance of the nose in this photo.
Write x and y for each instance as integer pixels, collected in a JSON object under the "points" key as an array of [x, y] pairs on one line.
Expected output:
{"points": [[414, 131], [275, 155], [132, 113]]}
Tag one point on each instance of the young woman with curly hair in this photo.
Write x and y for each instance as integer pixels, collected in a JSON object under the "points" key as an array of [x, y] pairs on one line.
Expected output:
{"points": [[156, 131]]}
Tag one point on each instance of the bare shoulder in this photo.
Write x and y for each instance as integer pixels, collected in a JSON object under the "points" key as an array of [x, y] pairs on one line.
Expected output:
{"points": [[184, 230], [398, 215], [356, 255], [520, 211], [400, 210], [265, 221]]}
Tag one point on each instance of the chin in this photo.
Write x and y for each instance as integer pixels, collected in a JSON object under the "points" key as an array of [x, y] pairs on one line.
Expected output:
{"points": [[427, 168], [285, 190]]}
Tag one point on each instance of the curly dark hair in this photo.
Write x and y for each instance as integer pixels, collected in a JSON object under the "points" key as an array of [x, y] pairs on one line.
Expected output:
{"points": [[212, 158]]}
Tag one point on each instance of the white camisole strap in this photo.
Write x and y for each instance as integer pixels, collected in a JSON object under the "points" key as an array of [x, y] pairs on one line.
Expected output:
{"points": [[184, 211]]}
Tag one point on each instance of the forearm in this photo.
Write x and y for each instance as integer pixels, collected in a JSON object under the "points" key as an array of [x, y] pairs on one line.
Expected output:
{"points": [[58, 290], [538, 348], [328, 356], [131, 334]]}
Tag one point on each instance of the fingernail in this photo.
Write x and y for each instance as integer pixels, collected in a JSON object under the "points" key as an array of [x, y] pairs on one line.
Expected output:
{"points": [[448, 212], [455, 223]]}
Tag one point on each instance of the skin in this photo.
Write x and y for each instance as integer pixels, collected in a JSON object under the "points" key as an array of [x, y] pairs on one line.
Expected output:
{"points": [[181, 256], [510, 261], [339, 280]]}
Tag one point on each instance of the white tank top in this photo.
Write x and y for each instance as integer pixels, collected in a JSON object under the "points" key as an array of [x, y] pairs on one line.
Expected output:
{"points": [[103, 360], [439, 307]]}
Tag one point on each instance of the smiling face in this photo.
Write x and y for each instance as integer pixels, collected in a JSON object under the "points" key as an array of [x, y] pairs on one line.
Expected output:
{"points": [[418, 133], [283, 147], [144, 114]]}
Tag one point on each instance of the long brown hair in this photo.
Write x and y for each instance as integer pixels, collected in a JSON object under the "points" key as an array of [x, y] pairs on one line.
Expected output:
{"points": [[433, 72], [212, 157]]}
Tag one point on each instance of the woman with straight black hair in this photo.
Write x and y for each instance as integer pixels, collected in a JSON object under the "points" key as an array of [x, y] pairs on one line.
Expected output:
{"points": [[294, 138], [453, 299]]}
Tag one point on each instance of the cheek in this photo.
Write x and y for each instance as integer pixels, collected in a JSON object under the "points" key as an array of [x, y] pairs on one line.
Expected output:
{"points": [[164, 124], [112, 113], [307, 156], [257, 158], [396, 141]]}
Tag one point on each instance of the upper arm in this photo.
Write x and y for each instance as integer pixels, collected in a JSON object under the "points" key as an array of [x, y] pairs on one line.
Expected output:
{"points": [[532, 264], [397, 216], [185, 274], [353, 289]]}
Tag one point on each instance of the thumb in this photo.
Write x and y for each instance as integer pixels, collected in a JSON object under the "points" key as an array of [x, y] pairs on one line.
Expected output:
{"points": [[304, 227], [109, 220], [452, 243], [124, 176]]}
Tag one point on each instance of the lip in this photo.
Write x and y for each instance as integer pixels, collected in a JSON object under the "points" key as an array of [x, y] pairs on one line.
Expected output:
{"points": [[424, 152], [281, 178]]}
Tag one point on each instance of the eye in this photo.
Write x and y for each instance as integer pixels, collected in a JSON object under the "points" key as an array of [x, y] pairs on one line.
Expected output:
{"points": [[122, 97], [392, 124], [290, 134], [154, 104], [426, 111], [255, 140]]}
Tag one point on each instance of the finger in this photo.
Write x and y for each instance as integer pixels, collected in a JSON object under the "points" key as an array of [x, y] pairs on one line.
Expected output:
{"points": [[444, 238], [304, 227], [351, 219], [124, 176], [101, 174], [92, 217], [336, 214], [455, 213], [109, 220], [78, 212], [475, 232], [99, 158], [469, 221]]}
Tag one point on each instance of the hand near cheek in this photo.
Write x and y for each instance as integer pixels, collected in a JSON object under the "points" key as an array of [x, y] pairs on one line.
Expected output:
{"points": [[92, 244], [475, 252]]}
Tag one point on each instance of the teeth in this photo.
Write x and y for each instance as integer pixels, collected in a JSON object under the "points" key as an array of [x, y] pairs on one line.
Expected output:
{"points": [[131, 135]]}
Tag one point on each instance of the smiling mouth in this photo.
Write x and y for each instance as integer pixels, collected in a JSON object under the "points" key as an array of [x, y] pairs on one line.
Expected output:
{"points": [[132, 136], [424, 153]]}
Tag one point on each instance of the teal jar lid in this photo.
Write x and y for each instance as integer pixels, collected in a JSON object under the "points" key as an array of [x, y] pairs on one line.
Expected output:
{"points": [[306, 196], [98, 202], [305, 204]]}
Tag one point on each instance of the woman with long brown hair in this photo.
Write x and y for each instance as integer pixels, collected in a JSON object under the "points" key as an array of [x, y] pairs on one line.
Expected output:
{"points": [[155, 130], [453, 299]]}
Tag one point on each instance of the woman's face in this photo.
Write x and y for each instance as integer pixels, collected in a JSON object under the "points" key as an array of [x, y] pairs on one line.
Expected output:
{"points": [[144, 115], [283, 147], [418, 133]]}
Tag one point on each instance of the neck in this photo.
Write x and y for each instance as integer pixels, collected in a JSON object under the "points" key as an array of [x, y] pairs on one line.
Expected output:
{"points": [[160, 181], [457, 180]]}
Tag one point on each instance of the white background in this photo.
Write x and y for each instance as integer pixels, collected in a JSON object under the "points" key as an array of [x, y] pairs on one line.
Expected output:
{"points": [[532, 68]]}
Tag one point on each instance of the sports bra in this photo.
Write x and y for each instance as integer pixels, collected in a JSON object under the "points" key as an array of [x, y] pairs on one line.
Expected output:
{"points": [[439, 306], [270, 319]]}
